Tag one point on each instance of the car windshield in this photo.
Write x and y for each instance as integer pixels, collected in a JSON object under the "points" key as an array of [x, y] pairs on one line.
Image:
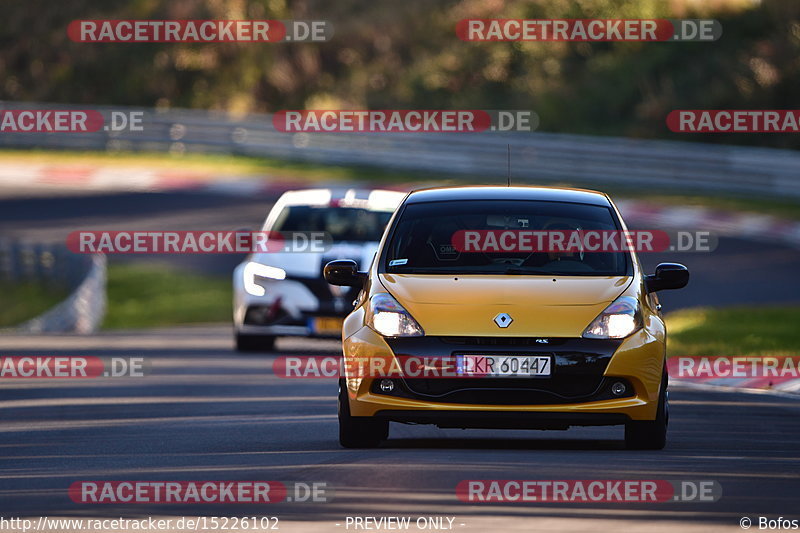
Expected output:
{"points": [[343, 224], [483, 237]]}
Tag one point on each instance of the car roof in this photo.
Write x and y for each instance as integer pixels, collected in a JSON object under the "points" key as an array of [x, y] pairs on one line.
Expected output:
{"points": [[373, 199], [551, 194]]}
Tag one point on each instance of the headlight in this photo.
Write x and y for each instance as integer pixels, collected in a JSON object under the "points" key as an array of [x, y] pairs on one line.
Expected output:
{"points": [[390, 319], [618, 320], [254, 271]]}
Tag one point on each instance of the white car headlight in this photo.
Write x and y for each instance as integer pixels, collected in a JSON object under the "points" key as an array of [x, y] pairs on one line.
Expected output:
{"points": [[254, 271], [618, 320], [386, 316]]}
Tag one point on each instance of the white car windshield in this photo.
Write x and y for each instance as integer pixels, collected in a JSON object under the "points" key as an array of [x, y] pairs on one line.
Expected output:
{"points": [[343, 224]]}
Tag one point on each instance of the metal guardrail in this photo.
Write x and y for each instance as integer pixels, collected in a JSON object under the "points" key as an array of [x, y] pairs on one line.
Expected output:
{"points": [[536, 157], [54, 266], [82, 311], [45, 263]]}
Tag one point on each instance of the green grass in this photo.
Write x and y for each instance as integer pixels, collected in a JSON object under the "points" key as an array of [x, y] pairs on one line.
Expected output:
{"points": [[738, 331], [141, 296], [25, 300]]}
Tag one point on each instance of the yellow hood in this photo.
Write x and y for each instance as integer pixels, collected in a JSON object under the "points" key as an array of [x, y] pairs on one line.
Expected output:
{"points": [[540, 306]]}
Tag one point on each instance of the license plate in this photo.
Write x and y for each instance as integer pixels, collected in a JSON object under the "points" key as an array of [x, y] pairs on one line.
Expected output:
{"points": [[504, 365], [323, 325]]}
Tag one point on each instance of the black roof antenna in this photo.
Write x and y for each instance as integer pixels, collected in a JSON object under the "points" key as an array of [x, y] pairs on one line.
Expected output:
{"points": [[508, 165]]}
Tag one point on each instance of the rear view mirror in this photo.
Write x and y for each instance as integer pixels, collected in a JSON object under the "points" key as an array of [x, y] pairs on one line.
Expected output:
{"points": [[344, 272], [667, 276]]}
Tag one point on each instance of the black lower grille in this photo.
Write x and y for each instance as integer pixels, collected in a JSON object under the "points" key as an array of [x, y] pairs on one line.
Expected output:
{"points": [[577, 371]]}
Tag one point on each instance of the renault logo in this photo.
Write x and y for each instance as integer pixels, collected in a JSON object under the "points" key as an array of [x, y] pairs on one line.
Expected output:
{"points": [[503, 320]]}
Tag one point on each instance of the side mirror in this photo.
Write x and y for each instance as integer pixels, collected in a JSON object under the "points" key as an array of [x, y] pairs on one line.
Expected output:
{"points": [[344, 272], [667, 276]]}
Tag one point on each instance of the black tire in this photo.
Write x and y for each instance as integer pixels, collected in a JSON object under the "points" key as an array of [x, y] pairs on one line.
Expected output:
{"points": [[358, 431], [650, 435], [254, 343]]}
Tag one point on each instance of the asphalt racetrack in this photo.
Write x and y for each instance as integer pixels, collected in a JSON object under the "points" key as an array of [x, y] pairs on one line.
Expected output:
{"points": [[204, 412], [207, 413]]}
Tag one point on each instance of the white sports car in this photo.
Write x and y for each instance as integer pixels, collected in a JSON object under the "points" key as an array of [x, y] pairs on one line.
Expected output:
{"points": [[282, 293]]}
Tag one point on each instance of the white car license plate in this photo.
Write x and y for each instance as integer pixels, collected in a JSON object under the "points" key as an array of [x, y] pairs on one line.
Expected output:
{"points": [[504, 365]]}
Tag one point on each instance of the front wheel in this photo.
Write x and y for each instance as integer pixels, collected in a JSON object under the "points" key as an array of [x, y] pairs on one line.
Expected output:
{"points": [[358, 431], [646, 434]]}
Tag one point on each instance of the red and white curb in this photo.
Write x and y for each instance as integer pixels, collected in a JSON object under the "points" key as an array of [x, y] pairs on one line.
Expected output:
{"points": [[766, 228], [136, 179], [640, 213]]}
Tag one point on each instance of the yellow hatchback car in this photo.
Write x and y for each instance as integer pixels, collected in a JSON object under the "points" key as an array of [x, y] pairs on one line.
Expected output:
{"points": [[481, 312]]}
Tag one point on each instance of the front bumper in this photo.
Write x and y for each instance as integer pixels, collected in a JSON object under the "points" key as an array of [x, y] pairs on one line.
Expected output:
{"points": [[289, 308], [577, 393]]}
